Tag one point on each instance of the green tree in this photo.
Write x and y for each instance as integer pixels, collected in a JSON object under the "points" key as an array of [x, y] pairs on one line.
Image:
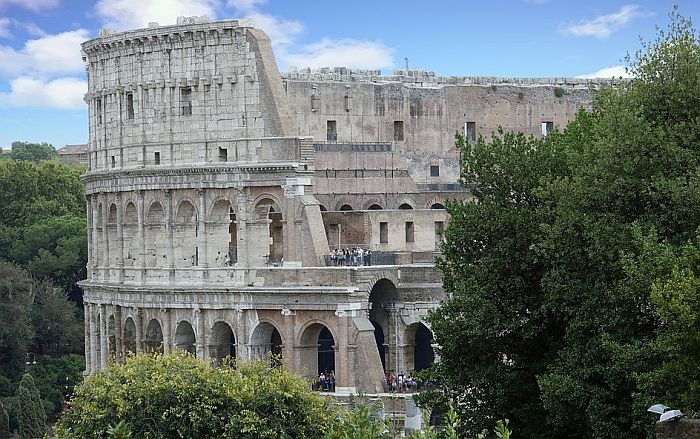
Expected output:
{"points": [[31, 152], [32, 418], [4, 423], [57, 328], [177, 395], [16, 297]]}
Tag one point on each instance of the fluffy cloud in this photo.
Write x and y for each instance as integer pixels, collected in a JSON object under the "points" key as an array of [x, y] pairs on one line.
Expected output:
{"points": [[134, 14], [63, 93], [34, 5], [604, 25], [246, 5], [5, 27], [354, 54], [48, 55], [607, 73]]}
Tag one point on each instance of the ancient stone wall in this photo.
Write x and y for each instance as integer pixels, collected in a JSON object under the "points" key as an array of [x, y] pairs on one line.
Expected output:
{"points": [[681, 429]]}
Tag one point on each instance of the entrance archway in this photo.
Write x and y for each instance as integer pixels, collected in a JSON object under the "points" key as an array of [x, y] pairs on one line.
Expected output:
{"points": [[318, 349], [129, 338], [382, 298], [266, 343], [185, 338], [419, 352], [223, 342], [153, 341]]}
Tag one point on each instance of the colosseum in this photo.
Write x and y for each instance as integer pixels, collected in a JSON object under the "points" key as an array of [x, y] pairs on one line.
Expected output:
{"points": [[217, 189]]}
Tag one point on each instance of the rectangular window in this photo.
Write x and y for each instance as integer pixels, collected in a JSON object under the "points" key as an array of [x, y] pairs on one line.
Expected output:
{"points": [[409, 231], [113, 161], [434, 170], [383, 232], [470, 131], [439, 230], [331, 131], [398, 130], [223, 154], [186, 101], [98, 111], [547, 127], [129, 105], [156, 158]]}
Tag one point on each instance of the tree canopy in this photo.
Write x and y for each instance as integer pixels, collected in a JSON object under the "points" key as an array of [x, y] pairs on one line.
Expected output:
{"points": [[30, 152], [553, 298]]}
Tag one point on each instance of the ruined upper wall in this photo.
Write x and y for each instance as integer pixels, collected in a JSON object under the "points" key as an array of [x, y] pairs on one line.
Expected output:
{"points": [[172, 90]]}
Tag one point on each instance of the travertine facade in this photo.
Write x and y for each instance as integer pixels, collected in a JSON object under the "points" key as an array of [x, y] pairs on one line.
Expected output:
{"points": [[200, 151]]}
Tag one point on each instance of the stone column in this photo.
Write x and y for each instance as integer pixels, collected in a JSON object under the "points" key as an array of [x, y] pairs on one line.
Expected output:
{"points": [[138, 324], [93, 338], [120, 239], [104, 347], [118, 331], [391, 338], [167, 330], [201, 338], [290, 352], [141, 232], [95, 246], [105, 235], [342, 364], [202, 229], [86, 311], [170, 263], [91, 220]]}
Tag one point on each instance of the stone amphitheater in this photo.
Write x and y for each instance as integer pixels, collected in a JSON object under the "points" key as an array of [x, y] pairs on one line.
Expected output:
{"points": [[217, 187]]}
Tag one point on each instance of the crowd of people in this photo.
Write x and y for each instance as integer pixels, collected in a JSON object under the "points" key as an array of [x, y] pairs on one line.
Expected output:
{"points": [[326, 381], [350, 256], [401, 383]]}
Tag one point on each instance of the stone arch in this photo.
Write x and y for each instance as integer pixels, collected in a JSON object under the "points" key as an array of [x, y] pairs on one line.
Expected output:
{"points": [[185, 338], [373, 203], [223, 342], [418, 346], [153, 340], [268, 209], [131, 230], [382, 297], [266, 342], [405, 206], [322, 208], [437, 206], [345, 207], [267, 199], [156, 238], [129, 337], [223, 230], [317, 348], [185, 230]]}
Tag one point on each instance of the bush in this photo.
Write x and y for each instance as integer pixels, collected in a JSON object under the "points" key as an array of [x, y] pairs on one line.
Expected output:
{"points": [[32, 417], [176, 395]]}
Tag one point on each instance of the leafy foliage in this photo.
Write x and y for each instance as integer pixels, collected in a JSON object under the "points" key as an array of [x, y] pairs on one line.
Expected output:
{"points": [[556, 303], [57, 328], [32, 418], [177, 395], [4, 423], [16, 333], [31, 152]]}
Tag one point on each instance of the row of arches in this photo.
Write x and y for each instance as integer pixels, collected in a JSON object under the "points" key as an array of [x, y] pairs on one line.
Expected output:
{"points": [[346, 207]]}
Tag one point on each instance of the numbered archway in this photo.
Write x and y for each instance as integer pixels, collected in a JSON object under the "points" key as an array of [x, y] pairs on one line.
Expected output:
{"points": [[153, 342], [185, 338], [266, 343], [317, 347], [223, 343]]}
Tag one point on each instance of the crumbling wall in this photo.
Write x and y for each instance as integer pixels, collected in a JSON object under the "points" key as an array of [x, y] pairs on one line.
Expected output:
{"points": [[681, 429]]}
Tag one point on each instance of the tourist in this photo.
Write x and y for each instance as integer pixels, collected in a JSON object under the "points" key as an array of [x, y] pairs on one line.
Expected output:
{"points": [[227, 260]]}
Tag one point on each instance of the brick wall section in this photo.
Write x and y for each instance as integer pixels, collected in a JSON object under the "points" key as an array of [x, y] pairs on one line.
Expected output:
{"points": [[681, 429]]}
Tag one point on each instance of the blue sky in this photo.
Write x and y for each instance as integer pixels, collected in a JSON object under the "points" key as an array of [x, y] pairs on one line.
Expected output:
{"points": [[42, 77]]}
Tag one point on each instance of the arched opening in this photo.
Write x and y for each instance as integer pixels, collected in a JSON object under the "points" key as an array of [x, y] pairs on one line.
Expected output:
{"points": [[131, 243], [111, 337], [112, 235], [276, 230], [155, 236], [223, 342], [437, 206], [153, 342], [419, 352], [184, 337], [375, 207], [318, 350], [129, 338], [223, 232], [98, 345], [381, 298], [345, 208], [405, 206], [322, 208], [266, 343], [185, 235]]}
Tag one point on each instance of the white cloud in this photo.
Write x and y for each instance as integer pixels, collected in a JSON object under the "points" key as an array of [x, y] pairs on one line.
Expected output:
{"points": [[604, 25], [62, 93], [246, 5], [281, 32], [607, 73], [49, 55], [134, 14], [34, 5], [5, 27], [354, 54]]}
